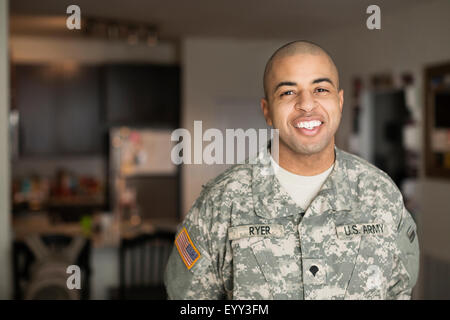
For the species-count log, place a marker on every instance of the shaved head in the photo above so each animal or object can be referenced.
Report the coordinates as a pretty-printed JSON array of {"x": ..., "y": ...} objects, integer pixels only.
[{"x": 298, "y": 47}]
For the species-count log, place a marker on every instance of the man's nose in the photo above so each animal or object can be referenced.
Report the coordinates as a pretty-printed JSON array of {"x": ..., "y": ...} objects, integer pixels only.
[{"x": 305, "y": 101}]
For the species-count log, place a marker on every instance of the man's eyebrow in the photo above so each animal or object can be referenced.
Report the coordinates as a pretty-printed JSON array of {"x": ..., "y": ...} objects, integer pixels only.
[
  {"x": 322, "y": 80},
  {"x": 285, "y": 83}
]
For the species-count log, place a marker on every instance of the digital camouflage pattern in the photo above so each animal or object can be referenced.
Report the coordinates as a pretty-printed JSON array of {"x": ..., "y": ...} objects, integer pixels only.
[{"x": 356, "y": 240}]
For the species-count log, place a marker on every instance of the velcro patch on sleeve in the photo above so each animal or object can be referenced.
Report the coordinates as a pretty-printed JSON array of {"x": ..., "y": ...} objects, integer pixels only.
[
  {"x": 188, "y": 252},
  {"x": 411, "y": 233}
]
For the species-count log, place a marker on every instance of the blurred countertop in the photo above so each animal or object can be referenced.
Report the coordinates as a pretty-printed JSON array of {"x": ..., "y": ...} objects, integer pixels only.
[{"x": 106, "y": 230}]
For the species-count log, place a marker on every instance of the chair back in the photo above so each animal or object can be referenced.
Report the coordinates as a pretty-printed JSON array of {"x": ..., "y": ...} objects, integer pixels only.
[
  {"x": 142, "y": 261},
  {"x": 39, "y": 265}
]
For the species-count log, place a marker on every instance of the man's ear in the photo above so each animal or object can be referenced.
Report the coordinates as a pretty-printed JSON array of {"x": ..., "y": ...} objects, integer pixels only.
[
  {"x": 266, "y": 111},
  {"x": 341, "y": 99}
]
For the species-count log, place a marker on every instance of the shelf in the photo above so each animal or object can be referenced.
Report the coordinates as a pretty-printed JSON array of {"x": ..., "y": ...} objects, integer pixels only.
[{"x": 76, "y": 201}]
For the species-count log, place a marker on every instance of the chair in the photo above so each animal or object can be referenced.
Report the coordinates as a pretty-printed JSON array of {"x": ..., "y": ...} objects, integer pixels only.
[
  {"x": 25, "y": 262},
  {"x": 142, "y": 261}
]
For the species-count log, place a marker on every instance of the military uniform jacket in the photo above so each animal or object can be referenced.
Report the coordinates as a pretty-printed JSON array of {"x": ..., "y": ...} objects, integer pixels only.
[{"x": 246, "y": 238}]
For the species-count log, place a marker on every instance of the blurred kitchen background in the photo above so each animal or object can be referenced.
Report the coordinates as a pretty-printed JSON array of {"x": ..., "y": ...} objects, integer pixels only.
[{"x": 86, "y": 118}]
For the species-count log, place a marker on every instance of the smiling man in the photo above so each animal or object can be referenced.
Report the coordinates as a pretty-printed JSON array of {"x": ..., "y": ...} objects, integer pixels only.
[{"x": 313, "y": 222}]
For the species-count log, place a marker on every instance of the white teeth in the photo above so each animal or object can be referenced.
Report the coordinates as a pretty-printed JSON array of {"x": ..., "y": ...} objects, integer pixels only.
[{"x": 308, "y": 124}]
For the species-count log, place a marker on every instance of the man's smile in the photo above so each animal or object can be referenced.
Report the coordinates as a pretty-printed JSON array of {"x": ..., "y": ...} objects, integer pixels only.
[{"x": 310, "y": 127}]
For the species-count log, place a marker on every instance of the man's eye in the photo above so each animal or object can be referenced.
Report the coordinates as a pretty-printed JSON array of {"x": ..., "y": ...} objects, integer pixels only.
[
  {"x": 287, "y": 93},
  {"x": 322, "y": 90}
]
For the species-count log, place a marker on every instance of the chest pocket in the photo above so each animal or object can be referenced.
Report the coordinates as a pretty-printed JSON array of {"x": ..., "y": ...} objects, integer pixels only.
[
  {"x": 372, "y": 267},
  {"x": 328, "y": 265},
  {"x": 267, "y": 268}
]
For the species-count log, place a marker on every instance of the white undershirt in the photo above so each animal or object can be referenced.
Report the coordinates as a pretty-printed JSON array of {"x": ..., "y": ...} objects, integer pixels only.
[{"x": 302, "y": 189}]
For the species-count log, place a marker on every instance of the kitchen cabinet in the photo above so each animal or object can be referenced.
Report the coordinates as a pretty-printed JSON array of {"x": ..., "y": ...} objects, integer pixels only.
[
  {"x": 67, "y": 109},
  {"x": 142, "y": 95},
  {"x": 59, "y": 110}
]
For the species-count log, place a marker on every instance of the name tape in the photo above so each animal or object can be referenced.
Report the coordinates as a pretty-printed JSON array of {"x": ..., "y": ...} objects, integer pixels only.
[
  {"x": 255, "y": 230},
  {"x": 354, "y": 230}
]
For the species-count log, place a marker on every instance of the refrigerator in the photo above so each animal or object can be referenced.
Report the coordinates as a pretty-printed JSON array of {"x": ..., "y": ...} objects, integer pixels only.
[{"x": 144, "y": 182}]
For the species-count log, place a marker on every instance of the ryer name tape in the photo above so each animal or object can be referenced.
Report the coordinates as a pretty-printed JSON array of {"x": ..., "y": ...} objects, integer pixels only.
[{"x": 255, "y": 230}]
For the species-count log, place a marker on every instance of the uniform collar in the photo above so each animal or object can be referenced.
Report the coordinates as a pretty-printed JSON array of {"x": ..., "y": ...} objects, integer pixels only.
[{"x": 272, "y": 201}]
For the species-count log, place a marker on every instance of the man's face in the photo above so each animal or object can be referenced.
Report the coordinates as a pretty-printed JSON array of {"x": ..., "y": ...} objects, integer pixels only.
[{"x": 303, "y": 102}]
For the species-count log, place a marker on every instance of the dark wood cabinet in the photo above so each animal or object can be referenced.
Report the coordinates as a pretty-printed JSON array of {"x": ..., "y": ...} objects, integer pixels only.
[
  {"x": 69, "y": 109},
  {"x": 142, "y": 95},
  {"x": 59, "y": 110}
]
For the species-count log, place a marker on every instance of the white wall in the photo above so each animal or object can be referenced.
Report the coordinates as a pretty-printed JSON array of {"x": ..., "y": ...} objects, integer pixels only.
[
  {"x": 5, "y": 223},
  {"x": 219, "y": 74}
]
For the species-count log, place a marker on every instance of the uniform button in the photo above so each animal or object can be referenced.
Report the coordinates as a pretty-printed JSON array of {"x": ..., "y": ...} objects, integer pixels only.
[{"x": 314, "y": 270}]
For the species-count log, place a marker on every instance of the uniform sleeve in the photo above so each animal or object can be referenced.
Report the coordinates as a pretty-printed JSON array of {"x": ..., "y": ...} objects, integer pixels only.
[
  {"x": 406, "y": 259},
  {"x": 192, "y": 271}
]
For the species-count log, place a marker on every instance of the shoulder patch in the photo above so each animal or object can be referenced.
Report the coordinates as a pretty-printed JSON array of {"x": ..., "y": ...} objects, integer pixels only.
[
  {"x": 186, "y": 249},
  {"x": 411, "y": 233}
]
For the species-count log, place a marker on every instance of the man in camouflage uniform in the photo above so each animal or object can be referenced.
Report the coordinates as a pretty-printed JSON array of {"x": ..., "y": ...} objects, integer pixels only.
[{"x": 246, "y": 238}]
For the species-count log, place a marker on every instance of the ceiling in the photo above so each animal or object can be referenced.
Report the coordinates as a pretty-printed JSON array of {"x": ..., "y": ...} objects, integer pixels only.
[{"x": 229, "y": 18}]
